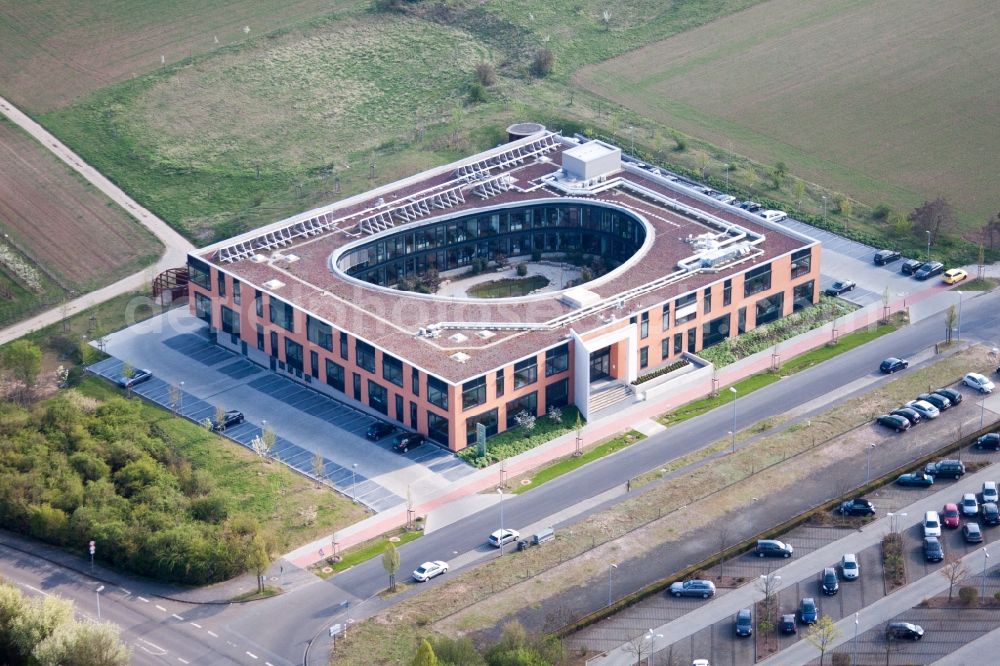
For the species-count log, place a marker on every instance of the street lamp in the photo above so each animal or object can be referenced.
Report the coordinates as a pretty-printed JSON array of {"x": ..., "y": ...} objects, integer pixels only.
[
  {"x": 733, "y": 389},
  {"x": 180, "y": 399},
  {"x": 97, "y": 593},
  {"x": 500, "y": 492},
  {"x": 854, "y": 658},
  {"x": 354, "y": 483},
  {"x": 610, "y": 567},
  {"x": 824, "y": 208},
  {"x": 868, "y": 475},
  {"x": 928, "y": 244},
  {"x": 750, "y": 514},
  {"x": 652, "y": 646},
  {"x": 986, "y": 559}
]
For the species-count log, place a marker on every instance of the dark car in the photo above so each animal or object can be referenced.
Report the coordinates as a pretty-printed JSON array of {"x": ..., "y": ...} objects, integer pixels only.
[
  {"x": 915, "y": 479},
  {"x": 972, "y": 533},
  {"x": 933, "y": 552},
  {"x": 808, "y": 612},
  {"x": 744, "y": 622},
  {"x": 951, "y": 394},
  {"x": 379, "y": 429},
  {"x": 990, "y": 513},
  {"x": 910, "y": 266},
  {"x": 773, "y": 548},
  {"x": 893, "y": 364},
  {"x": 990, "y": 440},
  {"x": 751, "y": 206},
  {"x": 905, "y": 630},
  {"x": 857, "y": 507},
  {"x": 894, "y": 421},
  {"x": 839, "y": 287},
  {"x": 945, "y": 468},
  {"x": 138, "y": 377},
  {"x": 911, "y": 415},
  {"x": 408, "y": 440},
  {"x": 929, "y": 270},
  {"x": 936, "y": 399},
  {"x": 230, "y": 418},
  {"x": 830, "y": 585},
  {"x": 787, "y": 624},
  {"x": 883, "y": 257},
  {"x": 693, "y": 588}
]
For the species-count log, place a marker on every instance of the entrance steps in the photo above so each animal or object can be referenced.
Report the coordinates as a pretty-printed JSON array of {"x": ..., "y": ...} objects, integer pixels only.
[{"x": 608, "y": 395}]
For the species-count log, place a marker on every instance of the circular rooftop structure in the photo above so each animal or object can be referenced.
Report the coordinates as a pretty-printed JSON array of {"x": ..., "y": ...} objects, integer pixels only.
[{"x": 523, "y": 130}]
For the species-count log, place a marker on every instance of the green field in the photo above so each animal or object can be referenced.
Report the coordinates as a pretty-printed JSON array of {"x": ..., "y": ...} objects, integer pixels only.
[{"x": 891, "y": 101}]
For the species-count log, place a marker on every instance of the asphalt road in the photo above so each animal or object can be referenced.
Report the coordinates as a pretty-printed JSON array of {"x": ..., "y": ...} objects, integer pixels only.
[{"x": 293, "y": 620}]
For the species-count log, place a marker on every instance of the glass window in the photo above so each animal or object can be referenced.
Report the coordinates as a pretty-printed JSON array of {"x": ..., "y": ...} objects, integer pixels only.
[
  {"x": 203, "y": 307},
  {"x": 199, "y": 273},
  {"x": 666, "y": 316},
  {"x": 392, "y": 369},
  {"x": 801, "y": 262},
  {"x": 488, "y": 419},
  {"x": 437, "y": 428},
  {"x": 500, "y": 383},
  {"x": 557, "y": 394},
  {"x": 220, "y": 279},
  {"x": 665, "y": 348},
  {"x": 556, "y": 360},
  {"x": 274, "y": 344},
  {"x": 378, "y": 397},
  {"x": 678, "y": 343},
  {"x": 473, "y": 392},
  {"x": 437, "y": 392},
  {"x": 685, "y": 308},
  {"x": 399, "y": 408},
  {"x": 692, "y": 336},
  {"x": 769, "y": 309},
  {"x": 715, "y": 331},
  {"x": 644, "y": 325},
  {"x": 356, "y": 381},
  {"x": 343, "y": 345},
  {"x": 644, "y": 357},
  {"x": 281, "y": 314},
  {"x": 335, "y": 375},
  {"x": 415, "y": 383},
  {"x": 230, "y": 321},
  {"x": 314, "y": 364},
  {"x": 741, "y": 321},
  {"x": 525, "y": 372},
  {"x": 237, "y": 296},
  {"x": 803, "y": 294},
  {"x": 727, "y": 292},
  {"x": 364, "y": 355},
  {"x": 707, "y": 299},
  {"x": 260, "y": 337},
  {"x": 526, "y": 403},
  {"x": 293, "y": 354},
  {"x": 319, "y": 333},
  {"x": 258, "y": 302},
  {"x": 757, "y": 280}
]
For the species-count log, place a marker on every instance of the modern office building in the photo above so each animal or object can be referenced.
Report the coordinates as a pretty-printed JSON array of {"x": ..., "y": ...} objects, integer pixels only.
[{"x": 334, "y": 298}]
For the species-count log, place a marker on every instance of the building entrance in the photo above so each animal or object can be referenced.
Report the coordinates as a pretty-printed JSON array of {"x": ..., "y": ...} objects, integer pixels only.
[{"x": 600, "y": 364}]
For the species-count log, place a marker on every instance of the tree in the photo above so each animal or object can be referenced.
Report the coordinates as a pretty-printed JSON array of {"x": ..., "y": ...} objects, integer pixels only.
[
  {"x": 128, "y": 372},
  {"x": 260, "y": 447},
  {"x": 23, "y": 360},
  {"x": 900, "y": 224},
  {"x": 486, "y": 74},
  {"x": 935, "y": 216},
  {"x": 800, "y": 190},
  {"x": 636, "y": 646},
  {"x": 390, "y": 562},
  {"x": 220, "y": 418},
  {"x": 83, "y": 644},
  {"x": 425, "y": 655},
  {"x": 542, "y": 63},
  {"x": 319, "y": 468},
  {"x": 778, "y": 174},
  {"x": 953, "y": 571},
  {"x": 457, "y": 651},
  {"x": 258, "y": 559},
  {"x": 175, "y": 398},
  {"x": 822, "y": 635},
  {"x": 526, "y": 421},
  {"x": 950, "y": 319},
  {"x": 750, "y": 174}
]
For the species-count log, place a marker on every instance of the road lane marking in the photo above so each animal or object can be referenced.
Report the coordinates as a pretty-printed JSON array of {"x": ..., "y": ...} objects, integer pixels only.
[
  {"x": 153, "y": 645},
  {"x": 35, "y": 589},
  {"x": 195, "y": 624},
  {"x": 212, "y": 634},
  {"x": 176, "y": 617},
  {"x": 183, "y": 661},
  {"x": 143, "y": 599},
  {"x": 267, "y": 663},
  {"x": 159, "y": 607},
  {"x": 252, "y": 654}
]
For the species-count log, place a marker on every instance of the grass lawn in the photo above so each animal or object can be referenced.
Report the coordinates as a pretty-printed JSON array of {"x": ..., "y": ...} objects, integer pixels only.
[
  {"x": 699, "y": 407},
  {"x": 508, "y": 287},
  {"x": 845, "y": 343},
  {"x": 986, "y": 284},
  {"x": 365, "y": 551},
  {"x": 275, "y": 495},
  {"x": 566, "y": 465}
]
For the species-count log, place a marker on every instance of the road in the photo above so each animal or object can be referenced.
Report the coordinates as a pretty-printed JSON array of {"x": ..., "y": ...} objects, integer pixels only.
[{"x": 176, "y": 245}]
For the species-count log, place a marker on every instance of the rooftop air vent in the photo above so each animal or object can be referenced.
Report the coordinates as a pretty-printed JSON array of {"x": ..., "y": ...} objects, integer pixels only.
[
  {"x": 461, "y": 357},
  {"x": 458, "y": 337},
  {"x": 290, "y": 258},
  {"x": 258, "y": 259},
  {"x": 274, "y": 284},
  {"x": 485, "y": 335}
]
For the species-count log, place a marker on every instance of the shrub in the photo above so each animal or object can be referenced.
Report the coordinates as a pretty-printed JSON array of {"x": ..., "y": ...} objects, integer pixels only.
[
  {"x": 522, "y": 270},
  {"x": 680, "y": 143},
  {"x": 841, "y": 659},
  {"x": 676, "y": 365},
  {"x": 477, "y": 92},
  {"x": 513, "y": 441},
  {"x": 541, "y": 64},
  {"x": 968, "y": 595},
  {"x": 880, "y": 213},
  {"x": 486, "y": 75}
]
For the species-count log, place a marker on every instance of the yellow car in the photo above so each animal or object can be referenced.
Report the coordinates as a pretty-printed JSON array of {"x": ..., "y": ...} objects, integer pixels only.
[{"x": 954, "y": 276}]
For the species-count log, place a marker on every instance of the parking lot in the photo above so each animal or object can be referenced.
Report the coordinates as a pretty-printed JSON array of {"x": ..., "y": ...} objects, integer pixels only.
[{"x": 305, "y": 421}]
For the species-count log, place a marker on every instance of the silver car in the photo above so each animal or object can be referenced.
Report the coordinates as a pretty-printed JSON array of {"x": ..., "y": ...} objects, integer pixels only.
[
  {"x": 849, "y": 566},
  {"x": 924, "y": 408},
  {"x": 693, "y": 588}
]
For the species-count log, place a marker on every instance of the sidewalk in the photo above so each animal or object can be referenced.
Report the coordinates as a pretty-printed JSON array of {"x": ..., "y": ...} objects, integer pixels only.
[{"x": 726, "y": 606}]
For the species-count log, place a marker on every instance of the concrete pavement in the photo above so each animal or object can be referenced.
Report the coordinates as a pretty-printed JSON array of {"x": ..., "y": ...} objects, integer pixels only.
[
  {"x": 176, "y": 245},
  {"x": 725, "y": 606},
  {"x": 971, "y": 654}
]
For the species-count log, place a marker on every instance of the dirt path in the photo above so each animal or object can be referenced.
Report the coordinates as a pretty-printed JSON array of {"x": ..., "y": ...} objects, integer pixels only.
[{"x": 176, "y": 245}]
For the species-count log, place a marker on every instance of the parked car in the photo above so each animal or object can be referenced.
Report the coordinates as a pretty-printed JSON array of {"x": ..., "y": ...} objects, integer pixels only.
[
  {"x": 857, "y": 507},
  {"x": 744, "y": 622},
  {"x": 429, "y": 570},
  {"x": 932, "y": 524},
  {"x": 924, "y": 408},
  {"x": 379, "y": 429},
  {"x": 501, "y": 537},
  {"x": 787, "y": 624},
  {"x": 908, "y": 413},
  {"x": 990, "y": 493},
  {"x": 972, "y": 533},
  {"x": 849, "y": 567},
  {"x": 904, "y": 630},
  {"x": 138, "y": 376},
  {"x": 910, "y": 266},
  {"x": 773, "y": 215},
  {"x": 954, "y": 396},
  {"x": 991, "y": 513},
  {"x": 693, "y": 588},
  {"x": 954, "y": 276},
  {"x": 830, "y": 584},
  {"x": 893, "y": 364},
  {"x": 408, "y": 440},
  {"x": 894, "y": 421},
  {"x": 950, "y": 516},
  {"x": 750, "y": 206},
  {"x": 933, "y": 552},
  {"x": 230, "y": 418},
  {"x": 839, "y": 287},
  {"x": 945, "y": 468},
  {"x": 773, "y": 548},
  {"x": 883, "y": 257},
  {"x": 990, "y": 440},
  {"x": 915, "y": 479},
  {"x": 808, "y": 612},
  {"x": 969, "y": 505},
  {"x": 929, "y": 270},
  {"x": 979, "y": 382},
  {"x": 942, "y": 403}
]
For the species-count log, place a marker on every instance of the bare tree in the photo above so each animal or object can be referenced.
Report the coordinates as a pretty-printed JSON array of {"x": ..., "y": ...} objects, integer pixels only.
[
  {"x": 935, "y": 216},
  {"x": 950, "y": 319},
  {"x": 390, "y": 562},
  {"x": 822, "y": 635},
  {"x": 953, "y": 571},
  {"x": 220, "y": 418},
  {"x": 636, "y": 646},
  {"x": 319, "y": 468},
  {"x": 768, "y": 584},
  {"x": 722, "y": 533},
  {"x": 175, "y": 398},
  {"x": 260, "y": 446}
]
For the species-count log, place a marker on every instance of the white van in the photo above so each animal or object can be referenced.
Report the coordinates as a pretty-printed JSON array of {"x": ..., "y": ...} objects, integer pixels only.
[
  {"x": 932, "y": 524},
  {"x": 773, "y": 215}
]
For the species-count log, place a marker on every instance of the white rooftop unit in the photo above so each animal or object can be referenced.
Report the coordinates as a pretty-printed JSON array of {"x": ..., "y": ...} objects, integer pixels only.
[
  {"x": 579, "y": 298},
  {"x": 591, "y": 160}
]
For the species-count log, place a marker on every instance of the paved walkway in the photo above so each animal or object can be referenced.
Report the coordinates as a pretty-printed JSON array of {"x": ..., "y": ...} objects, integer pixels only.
[
  {"x": 726, "y": 606},
  {"x": 176, "y": 245},
  {"x": 972, "y": 653}
]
